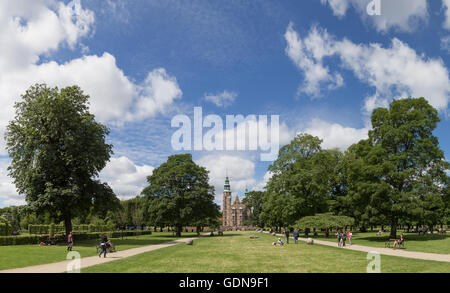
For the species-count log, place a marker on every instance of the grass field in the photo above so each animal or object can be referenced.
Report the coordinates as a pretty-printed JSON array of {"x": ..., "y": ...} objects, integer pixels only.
[
  {"x": 237, "y": 253},
  {"x": 17, "y": 256},
  {"x": 434, "y": 243}
]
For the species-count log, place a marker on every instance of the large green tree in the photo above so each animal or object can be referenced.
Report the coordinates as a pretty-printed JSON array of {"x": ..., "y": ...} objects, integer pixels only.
[
  {"x": 399, "y": 171},
  {"x": 305, "y": 181},
  {"x": 253, "y": 201},
  {"x": 179, "y": 193},
  {"x": 57, "y": 150}
]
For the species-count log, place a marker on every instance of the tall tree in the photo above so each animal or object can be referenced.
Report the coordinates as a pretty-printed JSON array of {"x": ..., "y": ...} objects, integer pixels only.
[
  {"x": 57, "y": 150},
  {"x": 253, "y": 201},
  {"x": 399, "y": 171},
  {"x": 179, "y": 193},
  {"x": 304, "y": 180}
]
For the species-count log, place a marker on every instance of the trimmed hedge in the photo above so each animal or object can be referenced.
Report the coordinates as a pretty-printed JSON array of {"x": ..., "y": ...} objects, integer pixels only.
[
  {"x": 61, "y": 238},
  {"x": 57, "y": 229},
  {"x": 5, "y": 229}
]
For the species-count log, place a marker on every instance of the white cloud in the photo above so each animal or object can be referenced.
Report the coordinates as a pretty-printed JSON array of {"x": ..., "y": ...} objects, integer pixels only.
[
  {"x": 126, "y": 178},
  {"x": 335, "y": 135},
  {"x": 307, "y": 55},
  {"x": 8, "y": 192},
  {"x": 240, "y": 171},
  {"x": 446, "y": 8},
  {"x": 339, "y": 7},
  {"x": 445, "y": 44},
  {"x": 262, "y": 184},
  {"x": 399, "y": 15},
  {"x": 394, "y": 72},
  {"x": 223, "y": 99},
  {"x": 30, "y": 29}
]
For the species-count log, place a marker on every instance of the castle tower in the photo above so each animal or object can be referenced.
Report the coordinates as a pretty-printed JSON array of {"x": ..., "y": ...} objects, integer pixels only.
[{"x": 226, "y": 204}]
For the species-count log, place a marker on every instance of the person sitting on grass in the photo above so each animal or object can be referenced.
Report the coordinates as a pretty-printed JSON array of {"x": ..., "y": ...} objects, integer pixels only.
[
  {"x": 380, "y": 233},
  {"x": 399, "y": 241},
  {"x": 279, "y": 242}
]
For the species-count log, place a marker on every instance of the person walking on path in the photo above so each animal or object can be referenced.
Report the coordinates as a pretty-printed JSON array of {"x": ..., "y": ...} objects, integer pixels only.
[
  {"x": 296, "y": 234},
  {"x": 69, "y": 241},
  {"x": 344, "y": 236},
  {"x": 339, "y": 238},
  {"x": 286, "y": 233},
  {"x": 349, "y": 237},
  {"x": 103, "y": 244}
]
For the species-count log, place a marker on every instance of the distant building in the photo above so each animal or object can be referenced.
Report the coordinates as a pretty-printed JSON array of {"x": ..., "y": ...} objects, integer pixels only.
[{"x": 234, "y": 214}]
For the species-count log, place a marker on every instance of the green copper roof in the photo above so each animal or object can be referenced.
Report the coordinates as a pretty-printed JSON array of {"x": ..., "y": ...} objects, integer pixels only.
[{"x": 226, "y": 187}]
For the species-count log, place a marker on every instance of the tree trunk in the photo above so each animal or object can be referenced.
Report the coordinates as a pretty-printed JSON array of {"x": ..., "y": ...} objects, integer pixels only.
[
  {"x": 68, "y": 225},
  {"x": 394, "y": 224},
  {"x": 179, "y": 228}
]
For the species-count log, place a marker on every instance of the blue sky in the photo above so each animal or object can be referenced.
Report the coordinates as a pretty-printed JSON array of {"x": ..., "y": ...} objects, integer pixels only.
[{"x": 321, "y": 65}]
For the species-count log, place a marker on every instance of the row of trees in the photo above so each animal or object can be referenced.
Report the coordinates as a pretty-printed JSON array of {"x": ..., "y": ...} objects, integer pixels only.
[{"x": 396, "y": 176}]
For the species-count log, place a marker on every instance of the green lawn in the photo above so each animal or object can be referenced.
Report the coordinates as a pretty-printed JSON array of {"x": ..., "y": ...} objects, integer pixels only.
[
  {"x": 434, "y": 243},
  {"x": 237, "y": 253},
  {"x": 17, "y": 256}
]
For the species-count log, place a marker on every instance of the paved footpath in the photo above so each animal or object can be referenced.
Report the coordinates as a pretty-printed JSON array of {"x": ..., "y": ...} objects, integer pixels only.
[
  {"x": 61, "y": 267},
  {"x": 385, "y": 251}
]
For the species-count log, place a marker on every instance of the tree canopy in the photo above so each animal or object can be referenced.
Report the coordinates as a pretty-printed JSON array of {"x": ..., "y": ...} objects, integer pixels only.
[
  {"x": 179, "y": 194},
  {"x": 57, "y": 150},
  {"x": 399, "y": 171}
]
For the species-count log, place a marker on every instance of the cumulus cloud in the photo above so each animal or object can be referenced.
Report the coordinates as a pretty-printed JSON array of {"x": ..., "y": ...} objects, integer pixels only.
[
  {"x": 223, "y": 99},
  {"x": 8, "y": 192},
  {"x": 307, "y": 54},
  {"x": 335, "y": 135},
  {"x": 29, "y": 30},
  {"x": 446, "y": 7},
  {"x": 445, "y": 44},
  {"x": 125, "y": 177},
  {"x": 398, "y": 15},
  {"x": 240, "y": 171},
  {"x": 396, "y": 71}
]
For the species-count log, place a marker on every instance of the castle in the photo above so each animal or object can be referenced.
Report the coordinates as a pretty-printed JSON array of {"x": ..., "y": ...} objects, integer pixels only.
[{"x": 233, "y": 215}]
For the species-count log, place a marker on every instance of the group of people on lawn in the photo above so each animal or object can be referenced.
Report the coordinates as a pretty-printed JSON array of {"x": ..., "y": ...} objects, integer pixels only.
[{"x": 343, "y": 236}]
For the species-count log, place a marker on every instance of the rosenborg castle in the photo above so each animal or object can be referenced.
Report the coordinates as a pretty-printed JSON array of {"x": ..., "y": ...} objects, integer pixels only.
[{"x": 234, "y": 214}]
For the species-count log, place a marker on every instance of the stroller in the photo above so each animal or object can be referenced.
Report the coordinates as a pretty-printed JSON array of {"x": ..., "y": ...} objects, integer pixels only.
[{"x": 109, "y": 247}]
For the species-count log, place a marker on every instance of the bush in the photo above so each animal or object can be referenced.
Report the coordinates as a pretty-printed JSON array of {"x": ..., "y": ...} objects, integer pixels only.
[
  {"x": 46, "y": 229},
  {"x": 5, "y": 229}
]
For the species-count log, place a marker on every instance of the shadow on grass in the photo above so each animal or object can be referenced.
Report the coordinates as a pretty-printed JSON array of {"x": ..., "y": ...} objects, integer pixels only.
[{"x": 408, "y": 237}]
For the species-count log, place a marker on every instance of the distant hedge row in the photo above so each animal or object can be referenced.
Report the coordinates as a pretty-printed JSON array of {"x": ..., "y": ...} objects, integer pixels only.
[
  {"x": 61, "y": 238},
  {"x": 57, "y": 229},
  {"x": 5, "y": 229}
]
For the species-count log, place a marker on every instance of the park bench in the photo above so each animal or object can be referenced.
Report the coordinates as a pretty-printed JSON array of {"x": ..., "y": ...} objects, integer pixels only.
[{"x": 390, "y": 243}]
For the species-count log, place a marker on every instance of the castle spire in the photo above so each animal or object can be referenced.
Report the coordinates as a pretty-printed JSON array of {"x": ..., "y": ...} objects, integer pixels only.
[{"x": 226, "y": 187}]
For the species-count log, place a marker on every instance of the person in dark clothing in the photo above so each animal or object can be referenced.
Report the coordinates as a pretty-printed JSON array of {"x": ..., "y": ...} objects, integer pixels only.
[
  {"x": 296, "y": 234},
  {"x": 103, "y": 245},
  {"x": 286, "y": 233}
]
